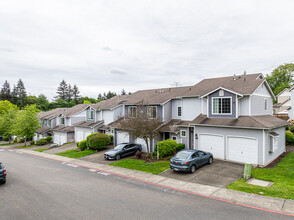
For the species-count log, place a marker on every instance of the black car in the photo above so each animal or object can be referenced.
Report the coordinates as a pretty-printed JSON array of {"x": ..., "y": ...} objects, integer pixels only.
[
  {"x": 2, "y": 174},
  {"x": 189, "y": 160},
  {"x": 122, "y": 150}
]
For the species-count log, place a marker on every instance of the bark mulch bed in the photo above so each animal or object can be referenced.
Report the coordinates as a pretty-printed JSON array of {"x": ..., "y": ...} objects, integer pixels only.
[{"x": 289, "y": 149}]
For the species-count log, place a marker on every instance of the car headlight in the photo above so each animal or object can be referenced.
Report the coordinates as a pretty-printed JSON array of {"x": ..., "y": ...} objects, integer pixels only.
[{"x": 185, "y": 163}]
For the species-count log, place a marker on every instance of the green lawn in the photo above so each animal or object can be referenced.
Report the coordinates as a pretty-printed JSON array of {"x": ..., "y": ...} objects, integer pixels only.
[
  {"x": 68, "y": 143},
  {"x": 8, "y": 144},
  {"x": 41, "y": 150},
  {"x": 133, "y": 164},
  {"x": 282, "y": 175},
  {"x": 76, "y": 153}
]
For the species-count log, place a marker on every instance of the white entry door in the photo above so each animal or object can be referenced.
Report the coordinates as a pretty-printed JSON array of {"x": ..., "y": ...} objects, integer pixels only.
[
  {"x": 243, "y": 149},
  {"x": 212, "y": 143}
]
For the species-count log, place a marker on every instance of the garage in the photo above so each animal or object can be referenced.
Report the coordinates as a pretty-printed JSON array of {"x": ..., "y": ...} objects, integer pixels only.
[
  {"x": 143, "y": 143},
  {"x": 242, "y": 149},
  {"x": 60, "y": 138},
  {"x": 212, "y": 143},
  {"x": 122, "y": 137},
  {"x": 82, "y": 135}
]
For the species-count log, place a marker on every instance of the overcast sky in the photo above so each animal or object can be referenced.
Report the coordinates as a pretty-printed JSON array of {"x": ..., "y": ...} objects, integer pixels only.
[{"x": 114, "y": 45}]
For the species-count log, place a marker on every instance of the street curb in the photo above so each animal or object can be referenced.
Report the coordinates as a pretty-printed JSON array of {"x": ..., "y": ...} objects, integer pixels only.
[{"x": 264, "y": 203}]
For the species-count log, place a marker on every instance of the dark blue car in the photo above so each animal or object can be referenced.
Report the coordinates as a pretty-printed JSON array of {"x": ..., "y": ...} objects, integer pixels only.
[
  {"x": 188, "y": 160},
  {"x": 2, "y": 174},
  {"x": 122, "y": 150}
]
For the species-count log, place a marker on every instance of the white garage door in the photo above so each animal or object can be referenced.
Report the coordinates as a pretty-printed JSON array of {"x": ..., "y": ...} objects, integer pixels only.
[
  {"x": 60, "y": 138},
  {"x": 212, "y": 143},
  {"x": 80, "y": 136},
  {"x": 143, "y": 143},
  {"x": 87, "y": 134},
  {"x": 122, "y": 137},
  {"x": 243, "y": 149}
]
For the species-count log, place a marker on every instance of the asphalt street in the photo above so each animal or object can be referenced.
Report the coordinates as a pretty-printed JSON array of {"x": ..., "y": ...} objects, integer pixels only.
[{"x": 40, "y": 188}]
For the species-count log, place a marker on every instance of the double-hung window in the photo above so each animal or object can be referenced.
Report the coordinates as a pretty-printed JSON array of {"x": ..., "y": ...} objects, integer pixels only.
[
  {"x": 179, "y": 111},
  {"x": 151, "y": 112},
  {"x": 133, "y": 111},
  {"x": 90, "y": 115},
  {"x": 61, "y": 121},
  {"x": 221, "y": 105}
]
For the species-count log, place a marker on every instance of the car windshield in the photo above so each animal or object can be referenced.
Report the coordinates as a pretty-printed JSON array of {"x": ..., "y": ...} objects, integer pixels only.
[
  {"x": 182, "y": 155},
  {"x": 119, "y": 147}
]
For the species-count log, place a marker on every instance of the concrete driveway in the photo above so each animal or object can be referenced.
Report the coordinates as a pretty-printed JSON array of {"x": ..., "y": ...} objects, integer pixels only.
[
  {"x": 220, "y": 174},
  {"x": 62, "y": 148},
  {"x": 98, "y": 157}
]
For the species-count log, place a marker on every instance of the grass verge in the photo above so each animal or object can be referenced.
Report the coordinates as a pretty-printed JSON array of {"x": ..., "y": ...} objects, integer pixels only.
[
  {"x": 28, "y": 146},
  {"x": 41, "y": 150},
  {"x": 133, "y": 164},
  {"x": 76, "y": 153},
  {"x": 282, "y": 175}
]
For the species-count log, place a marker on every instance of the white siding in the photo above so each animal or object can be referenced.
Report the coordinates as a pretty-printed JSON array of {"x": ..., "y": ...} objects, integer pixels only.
[
  {"x": 191, "y": 108},
  {"x": 99, "y": 115},
  {"x": 118, "y": 112},
  {"x": 243, "y": 106},
  {"x": 291, "y": 111},
  {"x": 258, "y": 105},
  {"x": 107, "y": 116},
  {"x": 204, "y": 106}
]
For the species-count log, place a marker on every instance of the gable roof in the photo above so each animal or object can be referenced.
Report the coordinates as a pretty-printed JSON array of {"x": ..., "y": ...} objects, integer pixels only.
[
  {"x": 110, "y": 103},
  {"x": 51, "y": 114},
  {"x": 74, "y": 110},
  {"x": 87, "y": 124}
]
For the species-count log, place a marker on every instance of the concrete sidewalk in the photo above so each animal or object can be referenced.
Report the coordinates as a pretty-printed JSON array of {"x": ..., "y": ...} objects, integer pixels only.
[{"x": 263, "y": 202}]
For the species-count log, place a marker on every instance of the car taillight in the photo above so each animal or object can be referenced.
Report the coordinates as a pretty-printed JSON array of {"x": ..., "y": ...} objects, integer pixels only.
[{"x": 4, "y": 172}]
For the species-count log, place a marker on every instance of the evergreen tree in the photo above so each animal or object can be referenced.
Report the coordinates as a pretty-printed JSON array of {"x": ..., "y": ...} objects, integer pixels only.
[
  {"x": 14, "y": 96},
  {"x": 76, "y": 93},
  {"x": 123, "y": 92},
  {"x": 69, "y": 93},
  {"x": 5, "y": 93},
  {"x": 110, "y": 94},
  {"x": 62, "y": 91},
  {"x": 99, "y": 97},
  {"x": 20, "y": 93},
  {"x": 42, "y": 103}
]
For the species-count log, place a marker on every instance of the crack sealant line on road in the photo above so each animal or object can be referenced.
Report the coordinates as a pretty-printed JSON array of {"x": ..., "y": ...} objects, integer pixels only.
[{"x": 151, "y": 183}]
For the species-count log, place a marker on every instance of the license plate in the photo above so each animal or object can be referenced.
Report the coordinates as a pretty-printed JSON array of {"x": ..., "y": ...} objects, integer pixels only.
[{"x": 176, "y": 169}]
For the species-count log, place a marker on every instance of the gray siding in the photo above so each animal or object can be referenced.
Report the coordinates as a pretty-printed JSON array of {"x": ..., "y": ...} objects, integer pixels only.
[
  {"x": 167, "y": 111},
  {"x": 74, "y": 120},
  {"x": 258, "y": 105},
  {"x": 118, "y": 112},
  {"x": 291, "y": 111},
  {"x": 191, "y": 108},
  {"x": 258, "y": 134},
  {"x": 281, "y": 145},
  {"x": 243, "y": 106},
  {"x": 107, "y": 116},
  {"x": 204, "y": 106},
  {"x": 175, "y": 104},
  {"x": 53, "y": 123},
  {"x": 216, "y": 95}
]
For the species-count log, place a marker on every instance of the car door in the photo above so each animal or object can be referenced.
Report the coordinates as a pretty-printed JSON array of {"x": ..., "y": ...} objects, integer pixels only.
[
  {"x": 202, "y": 157},
  {"x": 127, "y": 150},
  {"x": 196, "y": 159}
]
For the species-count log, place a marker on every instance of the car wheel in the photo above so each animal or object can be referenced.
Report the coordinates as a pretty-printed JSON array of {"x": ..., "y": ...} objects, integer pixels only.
[
  {"x": 210, "y": 160},
  {"x": 193, "y": 169},
  {"x": 117, "y": 157},
  {"x": 3, "y": 181}
]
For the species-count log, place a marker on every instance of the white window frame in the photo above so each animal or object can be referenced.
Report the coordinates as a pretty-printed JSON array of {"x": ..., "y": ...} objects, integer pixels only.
[
  {"x": 149, "y": 113},
  {"x": 91, "y": 112},
  {"x": 179, "y": 108},
  {"x": 129, "y": 110},
  {"x": 181, "y": 133},
  {"x": 225, "y": 97},
  {"x": 63, "y": 121},
  {"x": 174, "y": 138},
  {"x": 274, "y": 144}
]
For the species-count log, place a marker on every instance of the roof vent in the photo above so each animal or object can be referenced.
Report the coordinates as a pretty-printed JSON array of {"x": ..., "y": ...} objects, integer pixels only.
[
  {"x": 234, "y": 76},
  {"x": 245, "y": 75}
]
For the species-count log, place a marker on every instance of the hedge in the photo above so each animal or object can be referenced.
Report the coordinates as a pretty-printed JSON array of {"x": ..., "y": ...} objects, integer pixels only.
[
  {"x": 167, "y": 147},
  {"x": 82, "y": 145},
  {"x": 48, "y": 139},
  {"x": 97, "y": 141},
  {"x": 289, "y": 138},
  {"x": 41, "y": 142}
]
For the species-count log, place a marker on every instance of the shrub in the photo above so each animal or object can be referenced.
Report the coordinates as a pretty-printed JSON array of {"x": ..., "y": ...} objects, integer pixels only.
[
  {"x": 15, "y": 140},
  {"x": 165, "y": 148},
  {"x": 291, "y": 129},
  {"x": 289, "y": 138},
  {"x": 5, "y": 138},
  {"x": 138, "y": 155},
  {"x": 111, "y": 138},
  {"x": 32, "y": 142},
  {"x": 180, "y": 147},
  {"x": 22, "y": 140},
  {"x": 48, "y": 139},
  {"x": 97, "y": 141},
  {"x": 82, "y": 145},
  {"x": 41, "y": 142}
]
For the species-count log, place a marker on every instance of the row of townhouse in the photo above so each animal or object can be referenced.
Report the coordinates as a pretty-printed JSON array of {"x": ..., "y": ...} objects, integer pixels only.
[{"x": 232, "y": 117}]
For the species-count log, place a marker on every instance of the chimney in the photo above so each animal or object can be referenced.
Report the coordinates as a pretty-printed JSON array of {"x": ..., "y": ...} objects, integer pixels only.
[{"x": 234, "y": 76}]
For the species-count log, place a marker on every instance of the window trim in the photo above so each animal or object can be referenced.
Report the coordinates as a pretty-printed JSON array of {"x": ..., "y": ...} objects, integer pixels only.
[
  {"x": 224, "y": 97},
  {"x": 174, "y": 137},
  {"x": 179, "y": 107},
  {"x": 63, "y": 121},
  {"x": 155, "y": 112},
  {"x": 182, "y": 134},
  {"x": 90, "y": 112},
  {"x": 129, "y": 111}
]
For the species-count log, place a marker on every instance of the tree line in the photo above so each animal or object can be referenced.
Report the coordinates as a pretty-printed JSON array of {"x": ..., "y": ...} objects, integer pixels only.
[{"x": 66, "y": 96}]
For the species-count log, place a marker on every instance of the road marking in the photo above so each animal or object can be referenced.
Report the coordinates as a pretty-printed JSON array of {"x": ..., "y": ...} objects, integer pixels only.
[
  {"x": 92, "y": 170},
  {"x": 18, "y": 152},
  {"x": 102, "y": 173},
  {"x": 2, "y": 149},
  {"x": 69, "y": 164},
  {"x": 11, "y": 150}
]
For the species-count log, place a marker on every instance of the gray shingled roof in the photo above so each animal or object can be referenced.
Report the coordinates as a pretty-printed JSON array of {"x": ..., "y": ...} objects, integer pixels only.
[
  {"x": 87, "y": 124},
  {"x": 43, "y": 130},
  {"x": 264, "y": 121},
  {"x": 73, "y": 110},
  {"x": 110, "y": 103},
  {"x": 51, "y": 114},
  {"x": 64, "y": 129},
  {"x": 173, "y": 125}
]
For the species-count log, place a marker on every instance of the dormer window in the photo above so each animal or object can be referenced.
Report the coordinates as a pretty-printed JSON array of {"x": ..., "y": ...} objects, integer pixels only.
[
  {"x": 221, "y": 105},
  {"x": 61, "y": 121},
  {"x": 90, "y": 115},
  {"x": 133, "y": 111},
  {"x": 179, "y": 111}
]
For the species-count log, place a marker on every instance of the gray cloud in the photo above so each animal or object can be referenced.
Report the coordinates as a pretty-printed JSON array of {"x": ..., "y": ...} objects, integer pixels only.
[{"x": 118, "y": 72}]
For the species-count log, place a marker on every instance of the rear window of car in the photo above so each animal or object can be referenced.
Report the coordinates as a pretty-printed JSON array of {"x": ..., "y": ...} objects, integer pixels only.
[{"x": 182, "y": 155}]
